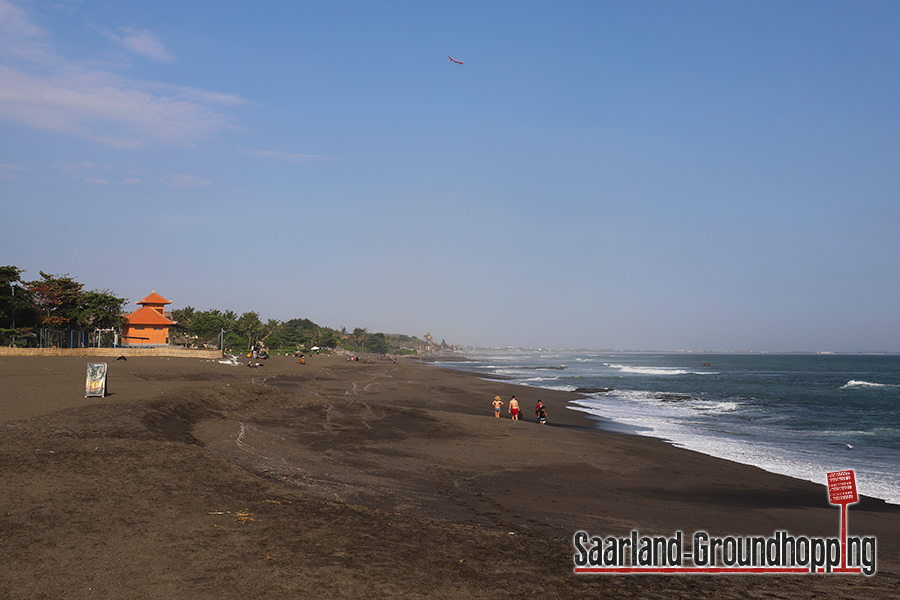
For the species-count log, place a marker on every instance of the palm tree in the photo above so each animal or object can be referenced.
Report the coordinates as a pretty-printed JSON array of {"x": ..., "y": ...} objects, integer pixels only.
[
  {"x": 248, "y": 325},
  {"x": 360, "y": 337},
  {"x": 272, "y": 326},
  {"x": 184, "y": 316}
]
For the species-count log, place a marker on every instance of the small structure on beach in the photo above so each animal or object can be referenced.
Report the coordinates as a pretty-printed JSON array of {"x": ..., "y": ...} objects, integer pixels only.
[{"x": 148, "y": 325}]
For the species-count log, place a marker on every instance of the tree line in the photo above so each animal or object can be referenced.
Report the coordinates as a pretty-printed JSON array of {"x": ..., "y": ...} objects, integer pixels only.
[
  {"x": 203, "y": 328},
  {"x": 54, "y": 302},
  {"x": 60, "y": 302}
]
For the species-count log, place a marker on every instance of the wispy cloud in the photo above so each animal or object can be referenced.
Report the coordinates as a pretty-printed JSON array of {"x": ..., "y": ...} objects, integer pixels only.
[
  {"x": 142, "y": 43},
  {"x": 95, "y": 181},
  {"x": 182, "y": 180},
  {"x": 79, "y": 170},
  {"x": 284, "y": 156},
  {"x": 89, "y": 166},
  {"x": 47, "y": 91},
  {"x": 19, "y": 37},
  {"x": 131, "y": 180},
  {"x": 11, "y": 171}
]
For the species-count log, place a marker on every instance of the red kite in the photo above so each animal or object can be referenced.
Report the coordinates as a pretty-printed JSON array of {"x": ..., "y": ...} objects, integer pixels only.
[{"x": 456, "y": 61}]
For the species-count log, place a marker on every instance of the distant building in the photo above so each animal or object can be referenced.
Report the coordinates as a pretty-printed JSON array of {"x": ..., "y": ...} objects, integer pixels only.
[{"x": 148, "y": 325}]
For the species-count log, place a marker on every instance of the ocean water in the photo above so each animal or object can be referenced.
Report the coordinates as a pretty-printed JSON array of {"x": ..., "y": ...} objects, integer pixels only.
[{"x": 798, "y": 415}]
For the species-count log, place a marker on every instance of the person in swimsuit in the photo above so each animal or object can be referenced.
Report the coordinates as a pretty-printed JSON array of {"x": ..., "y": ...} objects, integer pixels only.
[
  {"x": 514, "y": 408},
  {"x": 498, "y": 403}
]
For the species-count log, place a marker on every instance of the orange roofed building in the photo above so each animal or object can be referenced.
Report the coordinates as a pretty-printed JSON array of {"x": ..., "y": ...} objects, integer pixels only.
[{"x": 148, "y": 325}]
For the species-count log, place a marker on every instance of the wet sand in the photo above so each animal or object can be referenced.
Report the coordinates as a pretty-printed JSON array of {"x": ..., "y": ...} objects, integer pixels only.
[{"x": 195, "y": 479}]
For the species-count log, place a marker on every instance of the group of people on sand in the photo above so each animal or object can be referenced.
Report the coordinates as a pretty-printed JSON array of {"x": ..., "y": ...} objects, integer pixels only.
[
  {"x": 539, "y": 410},
  {"x": 257, "y": 350}
]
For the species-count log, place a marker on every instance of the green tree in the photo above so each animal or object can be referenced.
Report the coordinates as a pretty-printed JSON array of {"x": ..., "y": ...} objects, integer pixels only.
[
  {"x": 329, "y": 338},
  {"x": 299, "y": 332},
  {"x": 359, "y": 337},
  {"x": 56, "y": 297},
  {"x": 301, "y": 324},
  {"x": 230, "y": 318},
  {"x": 207, "y": 325},
  {"x": 17, "y": 310},
  {"x": 378, "y": 344},
  {"x": 184, "y": 316},
  {"x": 272, "y": 327},
  {"x": 249, "y": 326},
  {"x": 100, "y": 310},
  {"x": 234, "y": 341}
]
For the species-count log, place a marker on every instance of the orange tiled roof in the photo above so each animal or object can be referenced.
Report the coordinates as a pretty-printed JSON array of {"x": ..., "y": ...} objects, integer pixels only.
[
  {"x": 154, "y": 298},
  {"x": 147, "y": 316}
]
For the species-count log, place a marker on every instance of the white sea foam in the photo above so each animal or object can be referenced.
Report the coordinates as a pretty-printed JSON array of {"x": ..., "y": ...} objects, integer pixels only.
[
  {"x": 865, "y": 384},
  {"x": 742, "y": 414},
  {"x": 630, "y": 404},
  {"x": 669, "y": 424},
  {"x": 507, "y": 372},
  {"x": 654, "y": 370},
  {"x": 561, "y": 388},
  {"x": 882, "y": 431}
]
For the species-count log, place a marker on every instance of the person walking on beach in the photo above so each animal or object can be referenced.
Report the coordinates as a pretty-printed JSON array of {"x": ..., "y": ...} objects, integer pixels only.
[
  {"x": 541, "y": 413},
  {"x": 498, "y": 403},
  {"x": 514, "y": 408}
]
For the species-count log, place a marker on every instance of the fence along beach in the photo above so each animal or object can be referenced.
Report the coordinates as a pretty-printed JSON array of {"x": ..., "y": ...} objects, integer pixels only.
[{"x": 198, "y": 479}]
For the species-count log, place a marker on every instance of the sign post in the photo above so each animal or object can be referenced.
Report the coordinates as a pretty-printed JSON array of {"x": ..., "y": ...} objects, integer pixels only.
[
  {"x": 842, "y": 490},
  {"x": 96, "y": 380}
]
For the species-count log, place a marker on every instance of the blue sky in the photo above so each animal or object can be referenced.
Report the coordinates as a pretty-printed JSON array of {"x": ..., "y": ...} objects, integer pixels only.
[{"x": 632, "y": 175}]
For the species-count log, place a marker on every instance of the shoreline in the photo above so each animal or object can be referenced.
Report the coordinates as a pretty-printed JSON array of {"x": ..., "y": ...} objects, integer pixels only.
[
  {"x": 723, "y": 450},
  {"x": 361, "y": 479}
]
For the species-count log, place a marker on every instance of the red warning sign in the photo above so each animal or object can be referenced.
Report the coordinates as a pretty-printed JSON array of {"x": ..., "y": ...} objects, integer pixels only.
[{"x": 842, "y": 488}]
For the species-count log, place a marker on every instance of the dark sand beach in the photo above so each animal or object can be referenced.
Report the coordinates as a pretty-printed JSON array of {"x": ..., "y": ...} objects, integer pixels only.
[{"x": 336, "y": 479}]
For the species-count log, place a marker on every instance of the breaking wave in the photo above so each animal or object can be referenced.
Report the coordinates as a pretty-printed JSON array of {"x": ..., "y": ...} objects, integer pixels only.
[
  {"x": 865, "y": 384},
  {"x": 654, "y": 370}
]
